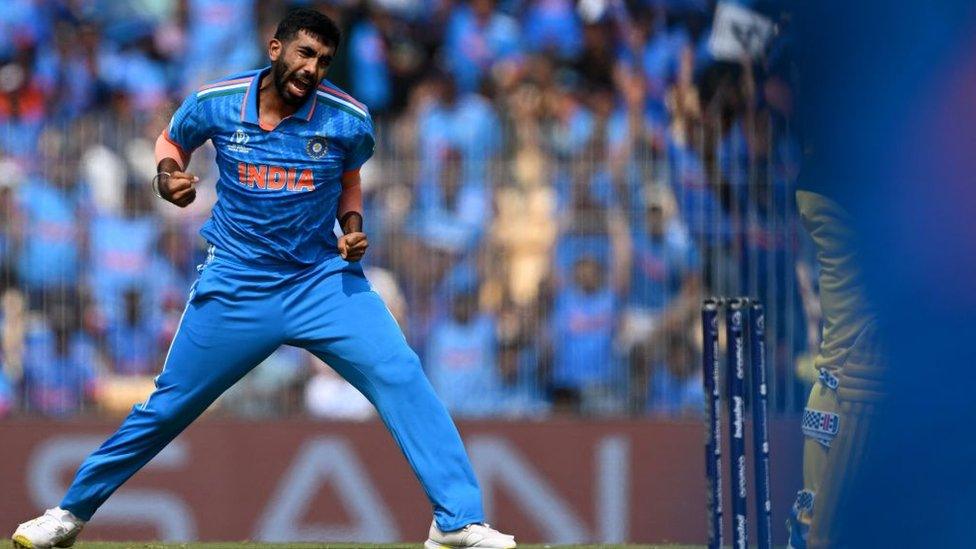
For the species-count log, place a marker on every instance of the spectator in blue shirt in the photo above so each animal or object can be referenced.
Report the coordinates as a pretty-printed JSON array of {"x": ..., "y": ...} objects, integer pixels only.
[
  {"x": 478, "y": 39},
  {"x": 587, "y": 233},
  {"x": 453, "y": 213},
  {"x": 464, "y": 121},
  {"x": 703, "y": 212},
  {"x": 572, "y": 125},
  {"x": 130, "y": 342},
  {"x": 368, "y": 53},
  {"x": 22, "y": 22},
  {"x": 664, "y": 260},
  {"x": 221, "y": 39},
  {"x": 67, "y": 71},
  {"x": 675, "y": 387},
  {"x": 520, "y": 355},
  {"x": 121, "y": 251},
  {"x": 139, "y": 73},
  {"x": 50, "y": 255},
  {"x": 583, "y": 178},
  {"x": 664, "y": 288},
  {"x": 59, "y": 367},
  {"x": 551, "y": 26},
  {"x": 461, "y": 360},
  {"x": 635, "y": 139},
  {"x": 583, "y": 324},
  {"x": 654, "y": 54},
  {"x": 165, "y": 292}
]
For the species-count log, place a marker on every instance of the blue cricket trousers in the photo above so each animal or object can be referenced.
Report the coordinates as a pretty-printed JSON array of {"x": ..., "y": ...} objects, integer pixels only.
[{"x": 235, "y": 317}]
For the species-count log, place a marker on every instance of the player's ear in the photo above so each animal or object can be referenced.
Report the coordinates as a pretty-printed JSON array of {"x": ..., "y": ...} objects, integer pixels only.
[{"x": 274, "y": 49}]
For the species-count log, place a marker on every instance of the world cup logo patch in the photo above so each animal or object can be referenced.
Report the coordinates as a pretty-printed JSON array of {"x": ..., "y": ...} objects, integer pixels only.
[
  {"x": 317, "y": 147},
  {"x": 238, "y": 142}
]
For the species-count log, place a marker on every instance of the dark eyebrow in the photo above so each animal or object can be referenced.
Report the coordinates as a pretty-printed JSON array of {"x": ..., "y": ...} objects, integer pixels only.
[{"x": 311, "y": 52}]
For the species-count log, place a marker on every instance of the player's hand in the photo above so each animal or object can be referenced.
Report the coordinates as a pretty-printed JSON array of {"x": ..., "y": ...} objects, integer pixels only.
[
  {"x": 352, "y": 246},
  {"x": 178, "y": 188}
]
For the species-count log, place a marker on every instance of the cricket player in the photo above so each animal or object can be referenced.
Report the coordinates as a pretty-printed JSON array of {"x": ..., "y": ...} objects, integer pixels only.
[
  {"x": 850, "y": 382},
  {"x": 289, "y": 148}
]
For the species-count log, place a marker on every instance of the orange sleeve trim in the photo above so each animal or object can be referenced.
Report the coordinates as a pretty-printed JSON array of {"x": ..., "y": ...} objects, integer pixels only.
[{"x": 167, "y": 148}]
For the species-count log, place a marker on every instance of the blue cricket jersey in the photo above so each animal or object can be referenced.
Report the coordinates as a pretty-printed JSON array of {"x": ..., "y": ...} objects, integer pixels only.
[{"x": 278, "y": 189}]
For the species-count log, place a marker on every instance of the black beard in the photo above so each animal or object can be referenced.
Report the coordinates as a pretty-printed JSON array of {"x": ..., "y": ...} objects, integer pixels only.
[{"x": 278, "y": 75}]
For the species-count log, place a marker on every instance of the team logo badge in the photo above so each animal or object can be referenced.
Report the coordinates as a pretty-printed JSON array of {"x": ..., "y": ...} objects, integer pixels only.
[{"x": 316, "y": 147}]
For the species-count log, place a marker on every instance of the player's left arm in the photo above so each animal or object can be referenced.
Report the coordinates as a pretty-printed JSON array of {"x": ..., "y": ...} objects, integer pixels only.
[{"x": 353, "y": 243}]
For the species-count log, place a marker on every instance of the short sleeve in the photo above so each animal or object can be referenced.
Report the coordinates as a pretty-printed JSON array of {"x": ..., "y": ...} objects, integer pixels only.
[
  {"x": 361, "y": 150},
  {"x": 188, "y": 129}
]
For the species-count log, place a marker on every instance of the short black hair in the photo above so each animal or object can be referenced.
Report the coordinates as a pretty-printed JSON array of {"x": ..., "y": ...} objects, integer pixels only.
[{"x": 313, "y": 22}]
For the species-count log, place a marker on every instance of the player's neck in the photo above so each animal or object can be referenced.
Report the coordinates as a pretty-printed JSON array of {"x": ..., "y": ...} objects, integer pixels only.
[{"x": 272, "y": 108}]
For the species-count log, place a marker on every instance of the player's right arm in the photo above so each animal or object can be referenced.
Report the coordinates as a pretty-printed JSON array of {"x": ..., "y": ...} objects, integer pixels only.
[
  {"x": 187, "y": 130},
  {"x": 173, "y": 184}
]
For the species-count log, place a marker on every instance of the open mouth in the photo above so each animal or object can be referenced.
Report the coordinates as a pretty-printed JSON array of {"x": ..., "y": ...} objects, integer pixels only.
[{"x": 300, "y": 86}]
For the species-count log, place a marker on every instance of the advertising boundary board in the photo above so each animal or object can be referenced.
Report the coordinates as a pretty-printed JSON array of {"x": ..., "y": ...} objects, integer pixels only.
[{"x": 555, "y": 481}]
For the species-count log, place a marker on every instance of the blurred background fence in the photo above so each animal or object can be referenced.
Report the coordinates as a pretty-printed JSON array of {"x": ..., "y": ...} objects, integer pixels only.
[{"x": 554, "y": 190}]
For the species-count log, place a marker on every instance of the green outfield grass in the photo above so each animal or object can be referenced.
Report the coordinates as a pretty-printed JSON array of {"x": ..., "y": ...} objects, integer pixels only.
[{"x": 247, "y": 545}]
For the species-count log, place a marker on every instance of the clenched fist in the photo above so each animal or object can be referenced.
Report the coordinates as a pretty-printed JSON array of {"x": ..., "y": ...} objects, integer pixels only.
[
  {"x": 352, "y": 246},
  {"x": 178, "y": 188}
]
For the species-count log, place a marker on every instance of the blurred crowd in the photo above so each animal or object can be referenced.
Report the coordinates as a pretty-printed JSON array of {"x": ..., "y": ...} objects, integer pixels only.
[{"x": 556, "y": 186}]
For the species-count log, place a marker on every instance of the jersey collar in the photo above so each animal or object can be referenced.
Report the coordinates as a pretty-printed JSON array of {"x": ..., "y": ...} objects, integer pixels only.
[{"x": 249, "y": 105}]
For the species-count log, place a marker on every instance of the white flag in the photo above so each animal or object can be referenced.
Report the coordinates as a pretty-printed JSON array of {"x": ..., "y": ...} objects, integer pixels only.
[{"x": 738, "y": 32}]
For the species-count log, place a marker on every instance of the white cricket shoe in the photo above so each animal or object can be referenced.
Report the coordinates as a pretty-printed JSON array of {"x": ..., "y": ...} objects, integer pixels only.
[
  {"x": 55, "y": 528},
  {"x": 472, "y": 535}
]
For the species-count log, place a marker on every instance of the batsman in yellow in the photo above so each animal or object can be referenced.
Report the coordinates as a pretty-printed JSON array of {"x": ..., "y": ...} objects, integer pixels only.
[{"x": 849, "y": 369}]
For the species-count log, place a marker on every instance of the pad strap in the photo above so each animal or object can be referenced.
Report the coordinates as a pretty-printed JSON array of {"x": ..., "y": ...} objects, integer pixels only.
[
  {"x": 820, "y": 426},
  {"x": 803, "y": 502},
  {"x": 828, "y": 379}
]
